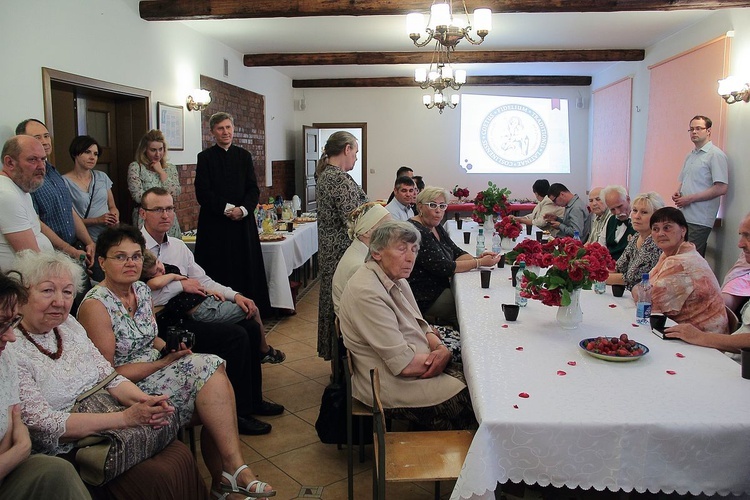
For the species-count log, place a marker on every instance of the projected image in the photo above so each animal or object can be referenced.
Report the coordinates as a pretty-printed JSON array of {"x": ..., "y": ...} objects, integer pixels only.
[{"x": 514, "y": 135}]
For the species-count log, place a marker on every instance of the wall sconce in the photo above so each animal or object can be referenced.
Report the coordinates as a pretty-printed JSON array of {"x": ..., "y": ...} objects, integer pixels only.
[
  {"x": 198, "y": 100},
  {"x": 733, "y": 89}
]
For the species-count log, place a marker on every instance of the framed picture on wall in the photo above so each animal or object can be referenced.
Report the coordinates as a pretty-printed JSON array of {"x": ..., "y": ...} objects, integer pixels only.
[{"x": 169, "y": 119}]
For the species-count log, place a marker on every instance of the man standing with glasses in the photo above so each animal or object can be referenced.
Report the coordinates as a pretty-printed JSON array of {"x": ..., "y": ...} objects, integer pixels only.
[{"x": 703, "y": 179}]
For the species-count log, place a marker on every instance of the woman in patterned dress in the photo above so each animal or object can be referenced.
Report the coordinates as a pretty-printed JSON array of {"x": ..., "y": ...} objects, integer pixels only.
[
  {"x": 119, "y": 319},
  {"x": 151, "y": 169},
  {"x": 641, "y": 254},
  {"x": 337, "y": 194}
]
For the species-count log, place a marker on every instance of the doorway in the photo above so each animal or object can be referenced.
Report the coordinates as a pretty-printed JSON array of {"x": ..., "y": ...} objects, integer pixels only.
[
  {"x": 115, "y": 115},
  {"x": 313, "y": 139}
]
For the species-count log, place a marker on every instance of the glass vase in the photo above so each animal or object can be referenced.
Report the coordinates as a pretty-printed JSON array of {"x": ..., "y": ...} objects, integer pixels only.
[
  {"x": 569, "y": 317},
  {"x": 489, "y": 226}
]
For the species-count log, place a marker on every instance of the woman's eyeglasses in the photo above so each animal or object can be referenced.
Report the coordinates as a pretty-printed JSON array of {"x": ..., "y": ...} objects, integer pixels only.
[
  {"x": 433, "y": 205},
  {"x": 121, "y": 258},
  {"x": 6, "y": 325}
]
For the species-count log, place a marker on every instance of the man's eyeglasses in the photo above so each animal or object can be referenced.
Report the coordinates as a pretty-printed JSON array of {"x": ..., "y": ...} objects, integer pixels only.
[
  {"x": 121, "y": 258},
  {"x": 696, "y": 129},
  {"x": 5, "y": 325},
  {"x": 433, "y": 205},
  {"x": 160, "y": 210}
]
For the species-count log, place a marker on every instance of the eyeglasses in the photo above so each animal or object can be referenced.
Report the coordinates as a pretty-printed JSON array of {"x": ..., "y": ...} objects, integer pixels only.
[
  {"x": 433, "y": 205},
  {"x": 4, "y": 326},
  {"x": 696, "y": 129},
  {"x": 121, "y": 258},
  {"x": 160, "y": 210}
]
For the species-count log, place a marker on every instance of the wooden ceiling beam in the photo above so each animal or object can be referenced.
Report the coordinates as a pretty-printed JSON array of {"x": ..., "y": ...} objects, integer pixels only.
[
  {"x": 424, "y": 57},
  {"x": 182, "y": 10},
  {"x": 500, "y": 80}
]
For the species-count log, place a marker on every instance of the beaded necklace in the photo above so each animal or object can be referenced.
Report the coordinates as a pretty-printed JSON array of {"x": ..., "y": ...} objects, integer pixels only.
[{"x": 58, "y": 338}]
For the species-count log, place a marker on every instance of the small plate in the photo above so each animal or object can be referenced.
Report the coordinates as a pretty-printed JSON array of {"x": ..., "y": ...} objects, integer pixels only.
[{"x": 607, "y": 357}]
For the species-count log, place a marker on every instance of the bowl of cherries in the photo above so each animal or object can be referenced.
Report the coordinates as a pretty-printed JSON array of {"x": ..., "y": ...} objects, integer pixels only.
[{"x": 613, "y": 348}]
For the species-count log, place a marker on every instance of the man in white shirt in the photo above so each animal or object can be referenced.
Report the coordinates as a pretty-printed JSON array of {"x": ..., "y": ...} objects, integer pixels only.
[
  {"x": 600, "y": 214},
  {"x": 703, "y": 180},
  {"x": 23, "y": 172},
  {"x": 618, "y": 229},
  {"x": 237, "y": 343},
  {"x": 404, "y": 196}
]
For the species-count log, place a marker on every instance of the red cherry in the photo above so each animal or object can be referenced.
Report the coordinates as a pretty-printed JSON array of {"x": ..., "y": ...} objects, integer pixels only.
[
  {"x": 523, "y": 395},
  {"x": 572, "y": 363},
  {"x": 561, "y": 373}
]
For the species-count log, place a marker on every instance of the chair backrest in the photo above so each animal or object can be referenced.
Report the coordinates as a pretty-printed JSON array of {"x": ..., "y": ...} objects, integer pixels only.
[
  {"x": 378, "y": 434},
  {"x": 732, "y": 320}
]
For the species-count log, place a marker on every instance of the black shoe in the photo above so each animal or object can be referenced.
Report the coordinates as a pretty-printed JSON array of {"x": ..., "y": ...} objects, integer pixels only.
[
  {"x": 252, "y": 426},
  {"x": 267, "y": 409}
]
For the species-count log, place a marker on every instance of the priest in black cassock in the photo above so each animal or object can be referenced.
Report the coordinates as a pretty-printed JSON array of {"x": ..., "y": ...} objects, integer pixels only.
[{"x": 227, "y": 244}]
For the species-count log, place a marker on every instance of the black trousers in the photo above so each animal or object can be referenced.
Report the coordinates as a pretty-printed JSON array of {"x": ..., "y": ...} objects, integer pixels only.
[{"x": 239, "y": 345}]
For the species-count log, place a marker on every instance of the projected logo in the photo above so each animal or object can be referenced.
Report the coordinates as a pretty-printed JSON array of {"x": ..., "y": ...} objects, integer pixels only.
[{"x": 513, "y": 135}]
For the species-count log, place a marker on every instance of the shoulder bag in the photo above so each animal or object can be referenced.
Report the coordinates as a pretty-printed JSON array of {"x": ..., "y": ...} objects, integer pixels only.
[{"x": 104, "y": 456}]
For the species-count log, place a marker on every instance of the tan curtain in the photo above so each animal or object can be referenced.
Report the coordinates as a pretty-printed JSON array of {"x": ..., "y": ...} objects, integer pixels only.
[{"x": 610, "y": 163}]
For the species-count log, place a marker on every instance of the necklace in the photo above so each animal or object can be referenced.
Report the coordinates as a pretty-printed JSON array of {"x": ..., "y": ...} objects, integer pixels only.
[{"x": 41, "y": 349}]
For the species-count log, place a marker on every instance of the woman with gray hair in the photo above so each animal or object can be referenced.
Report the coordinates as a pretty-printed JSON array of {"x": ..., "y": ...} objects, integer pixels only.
[
  {"x": 641, "y": 254},
  {"x": 439, "y": 259},
  {"x": 382, "y": 328},
  {"x": 338, "y": 195}
]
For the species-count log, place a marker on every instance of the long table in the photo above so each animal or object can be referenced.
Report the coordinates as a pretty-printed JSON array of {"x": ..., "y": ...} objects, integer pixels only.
[
  {"x": 676, "y": 420},
  {"x": 282, "y": 258}
]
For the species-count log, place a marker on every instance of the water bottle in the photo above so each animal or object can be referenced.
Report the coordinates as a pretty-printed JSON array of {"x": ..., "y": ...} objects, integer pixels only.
[
  {"x": 643, "y": 307},
  {"x": 520, "y": 301},
  {"x": 496, "y": 243},
  {"x": 480, "y": 242},
  {"x": 600, "y": 287},
  {"x": 576, "y": 235}
]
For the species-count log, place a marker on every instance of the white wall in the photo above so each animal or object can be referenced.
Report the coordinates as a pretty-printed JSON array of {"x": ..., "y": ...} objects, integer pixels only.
[
  {"x": 737, "y": 147},
  {"x": 107, "y": 40},
  {"x": 401, "y": 131}
]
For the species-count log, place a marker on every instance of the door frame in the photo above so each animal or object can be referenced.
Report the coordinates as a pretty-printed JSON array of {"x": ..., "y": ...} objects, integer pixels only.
[{"x": 362, "y": 147}]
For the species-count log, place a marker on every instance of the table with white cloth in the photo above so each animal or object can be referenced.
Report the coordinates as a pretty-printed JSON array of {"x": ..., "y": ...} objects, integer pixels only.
[
  {"x": 676, "y": 420},
  {"x": 282, "y": 258}
]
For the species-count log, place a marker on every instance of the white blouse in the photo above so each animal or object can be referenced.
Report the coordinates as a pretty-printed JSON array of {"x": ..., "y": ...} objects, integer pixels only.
[
  {"x": 48, "y": 388},
  {"x": 8, "y": 385}
]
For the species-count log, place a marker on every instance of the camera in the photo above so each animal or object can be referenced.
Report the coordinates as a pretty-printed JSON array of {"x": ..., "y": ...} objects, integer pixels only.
[{"x": 177, "y": 335}]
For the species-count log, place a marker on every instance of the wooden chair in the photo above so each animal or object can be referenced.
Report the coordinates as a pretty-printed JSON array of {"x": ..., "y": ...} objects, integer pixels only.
[
  {"x": 732, "y": 320},
  {"x": 413, "y": 456},
  {"x": 354, "y": 408}
]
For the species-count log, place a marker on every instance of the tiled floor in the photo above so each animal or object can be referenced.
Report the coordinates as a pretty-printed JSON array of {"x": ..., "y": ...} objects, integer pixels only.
[{"x": 291, "y": 457}]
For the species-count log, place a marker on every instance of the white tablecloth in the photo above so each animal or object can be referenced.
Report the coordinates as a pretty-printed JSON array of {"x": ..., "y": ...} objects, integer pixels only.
[
  {"x": 592, "y": 423},
  {"x": 281, "y": 258}
]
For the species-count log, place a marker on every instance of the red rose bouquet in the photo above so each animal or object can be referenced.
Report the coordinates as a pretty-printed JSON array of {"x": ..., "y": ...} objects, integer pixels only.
[
  {"x": 491, "y": 201},
  {"x": 508, "y": 228},
  {"x": 572, "y": 265},
  {"x": 460, "y": 192}
]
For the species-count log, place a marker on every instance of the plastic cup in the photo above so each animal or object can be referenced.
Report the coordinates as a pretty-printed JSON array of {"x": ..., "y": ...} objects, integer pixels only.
[
  {"x": 513, "y": 273},
  {"x": 467, "y": 237},
  {"x": 746, "y": 362},
  {"x": 459, "y": 224},
  {"x": 510, "y": 311},
  {"x": 485, "y": 275},
  {"x": 539, "y": 236},
  {"x": 501, "y": 262},
  {"x": 618, "y": 290},
  {"x": 290, "y": 226}
]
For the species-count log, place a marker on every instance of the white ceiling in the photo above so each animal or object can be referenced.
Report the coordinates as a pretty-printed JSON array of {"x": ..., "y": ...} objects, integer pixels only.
[{"x": 611, "y": 30}]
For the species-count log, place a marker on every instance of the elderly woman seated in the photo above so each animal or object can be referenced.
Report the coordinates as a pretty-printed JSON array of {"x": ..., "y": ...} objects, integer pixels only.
[
  {"x": 718, "y": 340},
  {"x": 382, "y": 327},
  {"x": 736, "y": 287},
  {"x": 118, "y": 318},
  {"x": 362, "y": 222},
  {"x": 439, "y": 259},
  {"x": 57, "y": 362},
  {"x": 641, "y": 254},
  {"x": 23, "y": 475},
  {"x": 684, "y": 286}
]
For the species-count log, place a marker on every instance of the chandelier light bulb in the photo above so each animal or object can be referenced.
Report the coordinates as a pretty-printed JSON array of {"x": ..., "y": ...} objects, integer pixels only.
[
  {"x": 434, "y": 75},
  {"x": 438, "y": 98},
  {"x": 483, "y": 20},
  {"x": 440, "y": 15},
  {"x": 420, "y": 75},
  {"x": 460, "y": 76},
  {"x": 415, "y": 23},
  {"x": 427, "y": 99},
  {"x": 446, "y": 72},
  {"x": 454, "y": 99}
]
